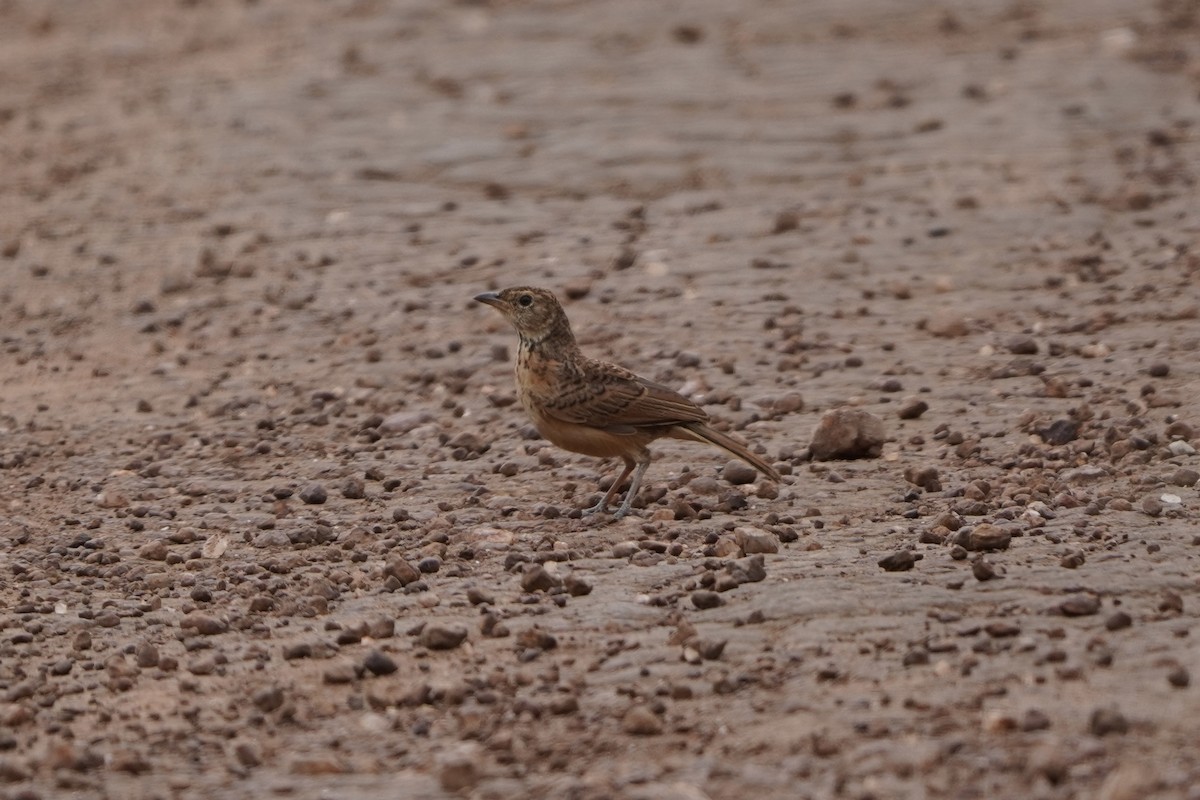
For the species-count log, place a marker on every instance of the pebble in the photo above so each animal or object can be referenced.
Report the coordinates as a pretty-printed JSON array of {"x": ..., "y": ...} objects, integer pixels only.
[
  {"x": 402, "y": 571},
  {"x": 379, "y": 663},
  {"x": 625, "y": 549},
  {"x": 738, "y": 472},
  {"x": 847, "y": 433},
  {"x": 154, "y": 551},
  {"x": 353, "y": 488},
  {"x": 754, "y": 540},
  {"x": 1185, "y": 476},
  {"x": 1080, "y": 605},
  {"x": 268, "y": 699},
  {"x": 405, "y": 421},
  {"x": 340, "y": 674},
  {"x": 1118, "y": 620},
  {"x": 986, "y": 537},
  {"x": 750, "y": 569},
  {"x": 314, "y": 494},
  {"x": 536, "y": 578},
  {"x": 577, "y": 585},
  {"x": 460, "y": 768},
  {"x": 146, "y": 655},
  {"x": 1179, "y": 677},
  {"x": 912, "y": 408},
  {"x": 641, "y": 721},
  {"x": 927, "y": 478},
  {"x": 983, "y": 570},
  {"x": 429, "y": 565},
  {"x": 900, "y": 561},
  {"x": 1105, "y": 721},
  {"x": 477, "y": 596},
  {"x": 436, "y": 636},
  {"x": 204, "y": 624},
  {"x": 704, "y": 599},
  {"x": 1022, "y": 345}
]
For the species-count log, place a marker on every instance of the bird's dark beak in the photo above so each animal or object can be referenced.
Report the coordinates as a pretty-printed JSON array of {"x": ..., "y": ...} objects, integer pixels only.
[{"x": 491, "y": 298}]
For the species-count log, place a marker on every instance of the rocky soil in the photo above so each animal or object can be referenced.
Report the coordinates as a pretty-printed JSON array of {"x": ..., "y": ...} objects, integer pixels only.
[{"x": 275, "y": 527}]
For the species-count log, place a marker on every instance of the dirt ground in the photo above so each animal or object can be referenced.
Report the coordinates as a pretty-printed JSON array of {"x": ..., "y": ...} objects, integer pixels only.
[{"x": 274, "y": 526}]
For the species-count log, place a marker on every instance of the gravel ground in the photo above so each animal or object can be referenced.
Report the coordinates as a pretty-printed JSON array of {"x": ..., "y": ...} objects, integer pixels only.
[{"x": 276, "y": 527}]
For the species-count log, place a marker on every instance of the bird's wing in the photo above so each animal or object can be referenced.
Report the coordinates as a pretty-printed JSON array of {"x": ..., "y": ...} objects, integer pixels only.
[{"x": 611, "y": 397}]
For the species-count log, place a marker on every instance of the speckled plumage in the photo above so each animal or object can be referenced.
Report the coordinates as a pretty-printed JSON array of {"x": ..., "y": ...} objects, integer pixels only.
[{"x": 593, "y": 407}]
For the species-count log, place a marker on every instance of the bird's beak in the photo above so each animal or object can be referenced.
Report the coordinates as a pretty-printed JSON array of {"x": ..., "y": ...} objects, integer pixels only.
[{"x": 491, "y": 298}]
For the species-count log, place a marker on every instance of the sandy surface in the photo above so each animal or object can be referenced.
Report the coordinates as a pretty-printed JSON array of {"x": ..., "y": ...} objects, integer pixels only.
[{"x": 239, "y": 242}]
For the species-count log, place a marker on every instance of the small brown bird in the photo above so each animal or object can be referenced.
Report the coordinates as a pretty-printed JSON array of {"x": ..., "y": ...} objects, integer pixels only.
[{"x": 592, "y": 407}]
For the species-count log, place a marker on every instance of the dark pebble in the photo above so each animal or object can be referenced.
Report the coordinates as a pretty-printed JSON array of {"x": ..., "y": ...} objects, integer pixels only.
[
  {"x": 704, "y": 599},
  {"x": 314, "y": 494},
  {"x": 379, "y": 663},
  {"x": 900, "y": 561}
]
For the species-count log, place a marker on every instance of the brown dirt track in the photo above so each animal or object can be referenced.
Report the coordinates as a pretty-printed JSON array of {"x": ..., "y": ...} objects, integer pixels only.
[{"x": 239, "y": 242}]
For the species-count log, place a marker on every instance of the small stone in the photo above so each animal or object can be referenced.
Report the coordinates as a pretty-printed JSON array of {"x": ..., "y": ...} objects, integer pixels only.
[
  {"x": 847, "y": 433},
  {"x": 899, "y": 561},
  {"x": 926, "y": 477},
  {"x": 750, "y": 569},
  {"x": 982, "y": 569},
  {"x": 314, "y": 494},
  {"x": 1152, "y": 506},
  {"x": 704, "y": 599},
  {"x": 405, "y": 421},
  {"x": 1022, "y": 345},
  {"x": 437, "y": 636},
  {"x": 1179, "y": 677},
  {"x": 204, "y": 624},
  {"x": 1159, "y": 369},
  {"x": 146, "y": 655},
  {"x": 204, "y": 665},
  {"x": 536, "y": 578},
  {"x": 1060, "y": 432},
  {"x": 268, "y": 700},
  {"x": 577, "y": 585},
  {"x": 1118, "y": 620},
  {"x": 1034, "y": 720},
  {"x": 429, "y": 565},
  {"x": 379, "y": 663},
  {"x": 247, "y": 754},
  {"x": 340, "y": 674},
  {"x": 1185, "y": 476},
  {"x": 753, "y": 540},
  {"x": 641, "y": 721},
  {"x": 986, "y": 537},
  {"x": 353, "y": 488},
  {"x": 404, "y": 572},
  {"x": 154, "y": 551},
  {"x": 107, "y": 619},
  {"x": 1080, "y": 605},
  {"x": 625, "y": 549},
  {"x": 477, "y": 596},
  {"x": 738, "y": 472},
  {"x": 1105, "y": 721},
  {"x": 912, "y": 408},
  {"x": 460, "y": 768}
]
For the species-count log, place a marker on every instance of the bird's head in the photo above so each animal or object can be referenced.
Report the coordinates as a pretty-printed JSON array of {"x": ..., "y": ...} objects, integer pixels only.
[{"x": 535, "y": 313}]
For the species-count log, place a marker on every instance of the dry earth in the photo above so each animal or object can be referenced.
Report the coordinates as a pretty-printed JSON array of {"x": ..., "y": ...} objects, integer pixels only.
[{"x": 239, "y": 242}]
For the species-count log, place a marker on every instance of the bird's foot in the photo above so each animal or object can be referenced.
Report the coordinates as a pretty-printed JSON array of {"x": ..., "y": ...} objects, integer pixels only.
[{"x": 599, "y": 508}]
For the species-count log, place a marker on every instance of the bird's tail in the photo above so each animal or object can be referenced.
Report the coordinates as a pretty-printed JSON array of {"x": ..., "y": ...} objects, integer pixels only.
[{"x": 702, "y": 433}]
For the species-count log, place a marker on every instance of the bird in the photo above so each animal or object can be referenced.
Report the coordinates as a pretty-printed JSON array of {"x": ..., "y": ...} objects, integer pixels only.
[{"x": 593, "y": 407}]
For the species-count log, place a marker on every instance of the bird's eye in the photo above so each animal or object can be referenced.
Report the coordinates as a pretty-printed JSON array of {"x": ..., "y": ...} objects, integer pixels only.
[{"x": 525, "y": 300}]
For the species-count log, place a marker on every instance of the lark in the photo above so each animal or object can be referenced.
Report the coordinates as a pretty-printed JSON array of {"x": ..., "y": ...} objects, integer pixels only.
[{"x": 593, "y": 407}]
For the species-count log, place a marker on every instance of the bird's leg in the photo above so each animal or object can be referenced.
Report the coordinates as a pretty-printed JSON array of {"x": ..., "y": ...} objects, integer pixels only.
[
  {"x": 602, "y": 506},
  {"x": 634, "y": 485}
]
